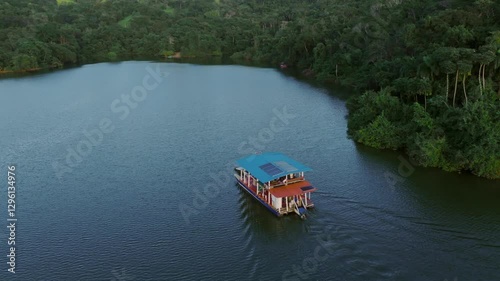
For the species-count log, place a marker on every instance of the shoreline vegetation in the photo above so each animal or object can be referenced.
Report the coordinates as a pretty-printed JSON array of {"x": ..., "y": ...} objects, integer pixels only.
[
  {"x": 426, "y": 74},
  {"x": 4, "y": 71}
]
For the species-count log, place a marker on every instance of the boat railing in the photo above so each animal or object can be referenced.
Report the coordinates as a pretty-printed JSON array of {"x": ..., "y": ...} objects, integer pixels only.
[{"x": 277, "y": 183}]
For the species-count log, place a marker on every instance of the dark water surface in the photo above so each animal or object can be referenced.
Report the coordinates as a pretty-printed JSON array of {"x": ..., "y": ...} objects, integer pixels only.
[{"x": 130, "y": 207}]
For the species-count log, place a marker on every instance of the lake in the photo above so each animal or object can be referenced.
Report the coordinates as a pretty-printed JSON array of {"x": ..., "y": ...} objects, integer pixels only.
[{"x": 124, "y": 172}]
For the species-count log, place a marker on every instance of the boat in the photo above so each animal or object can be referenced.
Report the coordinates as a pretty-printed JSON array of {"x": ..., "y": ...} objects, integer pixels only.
[
  {"x": 277, "y": 182},
  {"x": 283, "y": 65}
]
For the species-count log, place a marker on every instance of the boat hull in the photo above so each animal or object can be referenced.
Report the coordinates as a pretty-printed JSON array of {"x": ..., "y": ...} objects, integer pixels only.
[{"x": 269, "y": 207}]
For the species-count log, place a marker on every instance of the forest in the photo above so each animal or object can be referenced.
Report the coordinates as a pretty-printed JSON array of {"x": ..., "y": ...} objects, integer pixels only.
[{"x": 425, "y": 74}]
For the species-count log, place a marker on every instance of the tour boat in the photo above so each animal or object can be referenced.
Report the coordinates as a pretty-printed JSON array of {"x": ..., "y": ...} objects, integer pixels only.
[{"x": 277, "y": 182}]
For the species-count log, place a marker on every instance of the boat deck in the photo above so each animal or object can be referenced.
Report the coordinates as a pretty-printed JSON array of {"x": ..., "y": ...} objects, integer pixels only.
[
  {"x": 284, "y": 190},
  {"x": 297, "y": 188}
]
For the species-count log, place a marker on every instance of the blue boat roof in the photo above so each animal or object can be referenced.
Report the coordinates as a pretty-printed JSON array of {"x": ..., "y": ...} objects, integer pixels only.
[{"x": 270, "y": 166}]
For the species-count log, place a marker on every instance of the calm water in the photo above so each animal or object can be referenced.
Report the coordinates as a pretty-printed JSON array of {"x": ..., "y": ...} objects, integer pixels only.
[{"x": 130, "y": 207}]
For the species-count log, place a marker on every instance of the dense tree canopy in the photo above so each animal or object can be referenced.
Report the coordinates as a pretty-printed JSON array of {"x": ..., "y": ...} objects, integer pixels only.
[{"x": 429, "y": 70}]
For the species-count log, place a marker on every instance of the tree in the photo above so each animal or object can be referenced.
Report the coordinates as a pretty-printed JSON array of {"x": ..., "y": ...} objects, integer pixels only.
[{"x": 24, "y": 62}]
